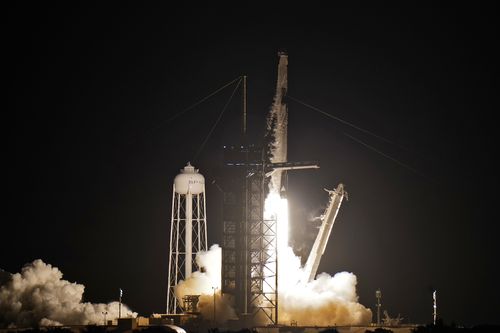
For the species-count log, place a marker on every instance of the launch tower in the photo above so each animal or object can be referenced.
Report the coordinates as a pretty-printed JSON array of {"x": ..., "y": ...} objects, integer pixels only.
[{"x": 250, "y": 240}]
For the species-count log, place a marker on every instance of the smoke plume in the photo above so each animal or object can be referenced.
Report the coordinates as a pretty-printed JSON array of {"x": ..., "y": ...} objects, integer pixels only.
[
  {"x": 325, "y": 301},
  {"x": 38, "y": 296},
  {"x": 207, "y": 284}
]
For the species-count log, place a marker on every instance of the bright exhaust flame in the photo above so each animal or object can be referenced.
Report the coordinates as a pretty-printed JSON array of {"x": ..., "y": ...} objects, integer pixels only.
[
  {"x": 324, "y": 301},
  {"x": 277, "y": 208}
]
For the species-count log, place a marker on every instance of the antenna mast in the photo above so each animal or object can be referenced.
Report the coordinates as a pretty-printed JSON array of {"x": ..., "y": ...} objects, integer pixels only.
[
  {"x": 434, "y": 305},
  {"x": 378, "y": 294},
  {"x": 244, "y": 106}
]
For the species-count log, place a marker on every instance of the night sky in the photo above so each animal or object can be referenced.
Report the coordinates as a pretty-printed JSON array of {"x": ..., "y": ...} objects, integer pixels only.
[{"x": 90, "y": 153}]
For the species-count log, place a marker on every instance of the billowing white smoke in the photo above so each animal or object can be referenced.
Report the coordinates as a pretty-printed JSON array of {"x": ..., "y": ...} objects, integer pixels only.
[
  {"x": 38, "y": 296},
  {"x": 207, "y": 284},
  {"x": 327, "y": 300}
]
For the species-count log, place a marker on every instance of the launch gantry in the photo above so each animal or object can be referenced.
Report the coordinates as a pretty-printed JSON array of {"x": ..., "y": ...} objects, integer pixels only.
[{"x": 250, "y": 241}]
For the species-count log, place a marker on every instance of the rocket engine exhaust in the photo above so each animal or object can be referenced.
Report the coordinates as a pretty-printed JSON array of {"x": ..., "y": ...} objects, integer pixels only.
[{"x": 325, "y": 300}]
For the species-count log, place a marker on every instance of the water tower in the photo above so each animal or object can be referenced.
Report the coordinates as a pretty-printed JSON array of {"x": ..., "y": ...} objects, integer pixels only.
[{"x": 188, "y": 230}]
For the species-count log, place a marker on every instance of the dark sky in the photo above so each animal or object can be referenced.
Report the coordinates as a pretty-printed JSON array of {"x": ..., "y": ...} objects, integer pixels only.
[{"x": 90, "y": 154}]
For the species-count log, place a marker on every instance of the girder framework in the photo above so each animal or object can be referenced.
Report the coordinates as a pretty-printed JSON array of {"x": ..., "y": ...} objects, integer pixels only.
[
  {"x": 249, "y": 252},
  {"x": 188, "y": 211}
]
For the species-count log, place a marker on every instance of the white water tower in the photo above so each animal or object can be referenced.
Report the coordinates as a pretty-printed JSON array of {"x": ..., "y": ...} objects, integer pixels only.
[{"x": 188, "y": 230}]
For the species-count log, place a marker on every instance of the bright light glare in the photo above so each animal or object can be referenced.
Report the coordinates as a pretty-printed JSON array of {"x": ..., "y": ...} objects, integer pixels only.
[{"x": 277, "y": 208}]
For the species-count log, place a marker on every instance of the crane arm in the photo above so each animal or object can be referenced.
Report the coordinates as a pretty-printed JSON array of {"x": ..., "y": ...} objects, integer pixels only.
[{"x": 325, "y": 230}]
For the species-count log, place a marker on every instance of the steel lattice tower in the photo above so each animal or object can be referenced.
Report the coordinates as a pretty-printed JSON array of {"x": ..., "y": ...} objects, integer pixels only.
[{"x": 188, "y": 230}]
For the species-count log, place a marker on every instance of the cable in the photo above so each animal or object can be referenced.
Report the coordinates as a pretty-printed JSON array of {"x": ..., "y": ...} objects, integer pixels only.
[
  {"x": 216, "y": 122},
  {"x": 193, "y": 105},
  {"x": 343, "y": 121},
  {"x": 367, "y": 132},
  {"x": 385, "y": 155}
]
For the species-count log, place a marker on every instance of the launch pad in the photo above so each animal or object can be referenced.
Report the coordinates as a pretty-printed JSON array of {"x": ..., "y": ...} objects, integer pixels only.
[
  {"x": 250, "y": 240},
  {"x": 252, "y": 233}
]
